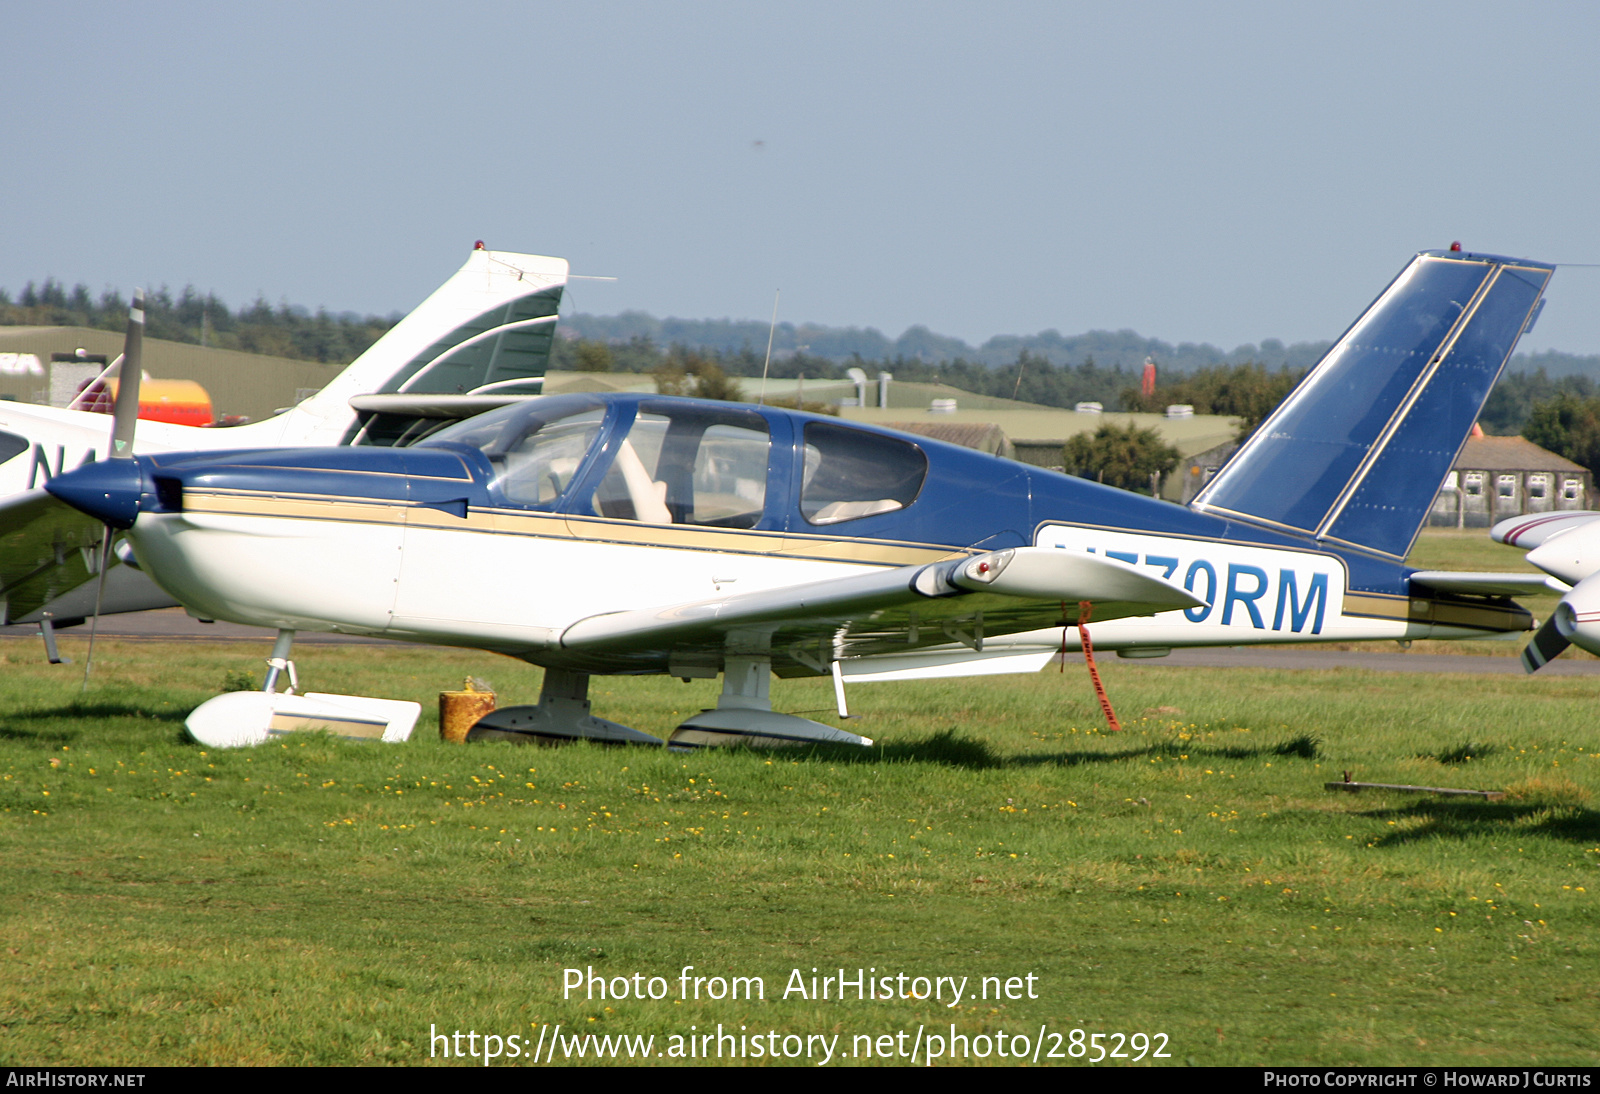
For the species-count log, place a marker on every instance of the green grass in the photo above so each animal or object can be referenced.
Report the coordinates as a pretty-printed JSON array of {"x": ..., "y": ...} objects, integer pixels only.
[{"x": 321, "y": 902}]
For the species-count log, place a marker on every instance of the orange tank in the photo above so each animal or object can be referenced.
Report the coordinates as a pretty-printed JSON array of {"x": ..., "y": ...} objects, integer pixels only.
[{"x": 179, "y": 402}]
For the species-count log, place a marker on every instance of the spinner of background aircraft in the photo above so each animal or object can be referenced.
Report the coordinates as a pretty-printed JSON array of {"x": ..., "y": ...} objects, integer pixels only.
[
  {"x": 642, "y": 534},
  {"x": 480, "y": 340}
]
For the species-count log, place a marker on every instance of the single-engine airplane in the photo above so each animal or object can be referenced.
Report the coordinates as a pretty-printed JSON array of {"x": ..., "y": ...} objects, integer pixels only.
[
  {"x": 642, "y": 534},
  {"x": 479, "y": 341}
]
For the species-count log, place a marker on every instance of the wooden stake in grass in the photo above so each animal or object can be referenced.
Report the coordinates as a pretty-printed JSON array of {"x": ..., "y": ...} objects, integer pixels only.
[
  {"x": 1084, "y": 608},
  {"x": 1356, "y": 788}
]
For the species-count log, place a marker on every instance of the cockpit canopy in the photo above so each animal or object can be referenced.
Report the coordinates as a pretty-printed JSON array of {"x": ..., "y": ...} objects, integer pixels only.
[{"x": 679, "y": 461}]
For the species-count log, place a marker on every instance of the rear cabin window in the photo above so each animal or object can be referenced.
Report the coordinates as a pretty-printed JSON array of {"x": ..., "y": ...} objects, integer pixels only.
[
  {"x": 850, "y": 474},
  {"x": 689, "y": 465}
]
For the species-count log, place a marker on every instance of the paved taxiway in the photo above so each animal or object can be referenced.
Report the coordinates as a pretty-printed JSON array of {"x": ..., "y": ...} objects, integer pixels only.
[{"x": 173, "y": 625}]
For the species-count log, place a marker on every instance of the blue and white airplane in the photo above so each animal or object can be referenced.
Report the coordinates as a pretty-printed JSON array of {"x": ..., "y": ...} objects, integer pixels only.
[{"x": 640, "y": 534}]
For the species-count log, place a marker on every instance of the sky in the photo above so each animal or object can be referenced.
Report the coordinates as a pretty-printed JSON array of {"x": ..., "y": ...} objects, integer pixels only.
[{"x": 1222, "y": 172}]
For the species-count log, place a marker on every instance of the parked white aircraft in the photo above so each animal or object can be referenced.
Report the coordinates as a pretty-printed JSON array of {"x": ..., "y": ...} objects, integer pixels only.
[
  {"x": 642, "y": 534},
  {"x": 1567, "y": 547},
  {"x": 475, "y": 343}
]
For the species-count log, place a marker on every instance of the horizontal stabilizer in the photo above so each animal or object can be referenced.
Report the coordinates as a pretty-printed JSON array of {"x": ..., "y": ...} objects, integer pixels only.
[
  {"x": 434, "y": 406},
  {"x": 1487, "y": 584}
]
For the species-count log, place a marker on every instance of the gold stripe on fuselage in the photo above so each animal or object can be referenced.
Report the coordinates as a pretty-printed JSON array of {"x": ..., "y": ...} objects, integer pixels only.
[{"x": 682, "y": 537}]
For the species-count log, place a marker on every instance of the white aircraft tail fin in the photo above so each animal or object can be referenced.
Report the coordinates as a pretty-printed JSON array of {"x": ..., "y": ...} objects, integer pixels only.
[{"x": 491, "y": 325}]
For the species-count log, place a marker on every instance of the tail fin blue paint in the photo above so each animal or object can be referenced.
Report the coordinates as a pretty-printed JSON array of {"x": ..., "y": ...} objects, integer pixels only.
[{"x": 1355, "y": 455}]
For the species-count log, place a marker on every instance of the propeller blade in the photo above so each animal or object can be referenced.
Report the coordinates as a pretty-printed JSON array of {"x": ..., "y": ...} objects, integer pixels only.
[
  {"x": 125, "y": 412},
  {"x": 99, "y": 592},
  {"x": 124, "y": 419},
  {"x": 89, "y": 397},
  {"x": 1546, "y": 646}
]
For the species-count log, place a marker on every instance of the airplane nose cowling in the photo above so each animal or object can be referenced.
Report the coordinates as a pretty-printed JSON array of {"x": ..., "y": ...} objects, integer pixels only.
[{"x": 109, "y": 491}]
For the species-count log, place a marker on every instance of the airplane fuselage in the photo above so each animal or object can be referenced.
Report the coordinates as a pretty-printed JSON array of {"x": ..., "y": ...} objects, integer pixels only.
[{"x": 428, "y": 544}]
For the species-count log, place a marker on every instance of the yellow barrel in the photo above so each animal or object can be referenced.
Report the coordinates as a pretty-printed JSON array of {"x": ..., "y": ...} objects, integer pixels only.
[{"x": 459, "y": 711}]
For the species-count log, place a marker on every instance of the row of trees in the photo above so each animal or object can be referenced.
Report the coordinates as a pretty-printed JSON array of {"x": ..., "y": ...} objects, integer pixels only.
[
  {"x": 918, "y": 343},
  {"x": 202, "y": 319},
  {"x": 1561, "y": 413},
  {"x": 1568, "y": 425},
  {"x": 1247, "y": 392},
  {"x": 1030, "y": 378}
]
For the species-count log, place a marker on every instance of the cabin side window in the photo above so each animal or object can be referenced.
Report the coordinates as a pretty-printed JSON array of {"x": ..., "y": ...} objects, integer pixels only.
[
  {"x": 689, "y": 465},
  {"x": 851, "y": 474}
]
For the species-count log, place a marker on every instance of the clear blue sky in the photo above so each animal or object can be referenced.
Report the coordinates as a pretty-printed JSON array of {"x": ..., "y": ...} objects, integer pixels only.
[{"x": 1208, "y": 172}]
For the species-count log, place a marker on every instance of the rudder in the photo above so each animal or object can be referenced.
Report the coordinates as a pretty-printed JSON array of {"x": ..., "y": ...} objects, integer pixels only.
[{"x": 1356, "y": 454}]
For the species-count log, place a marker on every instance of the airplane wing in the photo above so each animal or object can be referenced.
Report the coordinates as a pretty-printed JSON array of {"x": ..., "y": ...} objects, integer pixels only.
[
  {"x": 887, "y": 612},
  {"x": 49, "y": 557}
]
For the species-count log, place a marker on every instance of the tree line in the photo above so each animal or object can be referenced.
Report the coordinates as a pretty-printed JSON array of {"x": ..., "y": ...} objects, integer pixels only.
[
  {"x": 201, "y": 319},
  {"x": 1555, "y": 405}
]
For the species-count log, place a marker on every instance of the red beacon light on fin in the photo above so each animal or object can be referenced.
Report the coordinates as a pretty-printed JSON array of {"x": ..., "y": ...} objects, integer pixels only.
[{"x": 478, "y": 246}]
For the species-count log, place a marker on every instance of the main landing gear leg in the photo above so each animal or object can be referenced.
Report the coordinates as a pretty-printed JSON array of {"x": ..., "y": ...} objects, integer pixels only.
[
  {"x": 279, "y": 663},
  {"x": 744, "y": 713},
  {"x": 561, "y": 715}
]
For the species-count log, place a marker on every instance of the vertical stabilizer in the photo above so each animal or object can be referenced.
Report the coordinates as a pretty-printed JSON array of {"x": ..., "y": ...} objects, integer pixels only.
[
  {"x": 490, "y": 325},
  {"x": 1355, "y": 455}
]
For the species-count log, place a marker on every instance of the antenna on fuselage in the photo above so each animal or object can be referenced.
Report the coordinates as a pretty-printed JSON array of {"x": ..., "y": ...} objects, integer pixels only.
[{"x": 761, "y": 400}]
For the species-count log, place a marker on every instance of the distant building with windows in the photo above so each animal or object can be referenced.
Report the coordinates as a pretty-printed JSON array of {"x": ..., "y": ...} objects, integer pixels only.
[{"x": 1499, "y": 477}]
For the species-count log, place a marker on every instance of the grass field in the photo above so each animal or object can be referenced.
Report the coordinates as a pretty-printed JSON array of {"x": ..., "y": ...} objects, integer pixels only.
[{"x": 321, "y": 902}]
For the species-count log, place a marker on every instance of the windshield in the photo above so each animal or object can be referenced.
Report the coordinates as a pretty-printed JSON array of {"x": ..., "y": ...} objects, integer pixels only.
[{"x": 535, "y": 447}]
